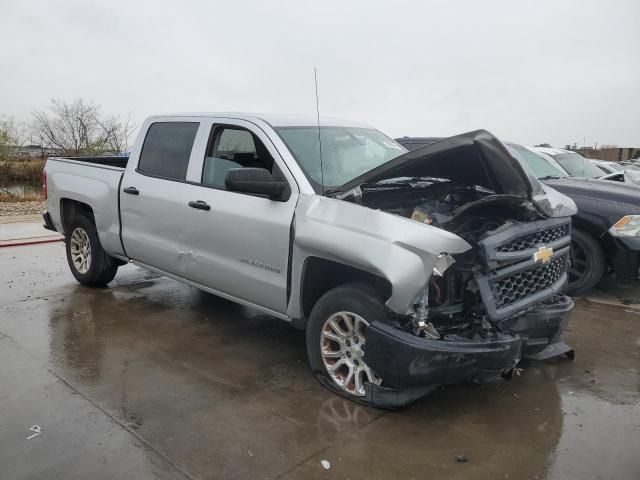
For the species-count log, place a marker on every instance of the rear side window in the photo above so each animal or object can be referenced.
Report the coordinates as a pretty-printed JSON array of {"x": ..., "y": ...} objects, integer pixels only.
[{"x": 167, "y": 148}]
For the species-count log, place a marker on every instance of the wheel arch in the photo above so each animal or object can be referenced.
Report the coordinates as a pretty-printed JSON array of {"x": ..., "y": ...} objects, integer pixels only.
[
  {"x": 319, "y": 275},
  {"x": 603, "y": 238},
  {"x": 70, "y": 208}
]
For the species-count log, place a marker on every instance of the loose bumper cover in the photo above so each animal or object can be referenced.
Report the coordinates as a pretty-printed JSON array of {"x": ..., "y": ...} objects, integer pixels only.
[{"x": 412, "y": 366}]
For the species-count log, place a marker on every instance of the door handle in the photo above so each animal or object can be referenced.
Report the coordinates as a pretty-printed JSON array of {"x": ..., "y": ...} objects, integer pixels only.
[
  {"x": 131, "y": 191},
  {"x": 200, "y": 205}
]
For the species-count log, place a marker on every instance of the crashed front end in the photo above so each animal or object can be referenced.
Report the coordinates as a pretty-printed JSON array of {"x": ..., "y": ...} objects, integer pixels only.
[
  {"x": 518, "y": 313},
  {"x": 483, "y": 309}
]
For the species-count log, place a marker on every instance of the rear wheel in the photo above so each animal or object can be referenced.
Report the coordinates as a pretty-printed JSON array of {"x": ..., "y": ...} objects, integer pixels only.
[
  {"x": 587, "y": 262},
  {"x": 337, "y": 337},
  {"x": 88, "y": 262}
]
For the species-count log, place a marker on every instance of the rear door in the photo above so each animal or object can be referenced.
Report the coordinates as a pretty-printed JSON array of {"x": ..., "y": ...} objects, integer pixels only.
[
  {"x": 240, "y": 242},
  {"x": 154, "y": 195}
]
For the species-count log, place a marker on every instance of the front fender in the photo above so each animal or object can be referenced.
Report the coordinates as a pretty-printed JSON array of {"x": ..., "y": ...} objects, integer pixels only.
[{"x": 397, "y": 249}]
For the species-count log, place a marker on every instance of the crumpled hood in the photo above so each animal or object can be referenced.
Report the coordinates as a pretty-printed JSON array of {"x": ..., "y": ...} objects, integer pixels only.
[{"x": 473, "y": 158}]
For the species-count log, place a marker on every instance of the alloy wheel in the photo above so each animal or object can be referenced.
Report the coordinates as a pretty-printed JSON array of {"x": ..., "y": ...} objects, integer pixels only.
[
  {"x": 342, "y": 346},
  {"x": 80, "y": 248}
]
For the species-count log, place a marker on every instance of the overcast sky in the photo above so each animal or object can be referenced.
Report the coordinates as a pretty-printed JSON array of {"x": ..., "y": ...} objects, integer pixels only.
[{"x": 529, "y": 71}]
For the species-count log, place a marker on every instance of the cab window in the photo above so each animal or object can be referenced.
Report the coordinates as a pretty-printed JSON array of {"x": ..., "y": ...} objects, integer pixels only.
[{"x": 167, "y": 148}]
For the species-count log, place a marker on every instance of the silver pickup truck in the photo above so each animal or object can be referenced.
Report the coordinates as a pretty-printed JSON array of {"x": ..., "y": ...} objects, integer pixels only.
[{"x": 407, "y": 269}]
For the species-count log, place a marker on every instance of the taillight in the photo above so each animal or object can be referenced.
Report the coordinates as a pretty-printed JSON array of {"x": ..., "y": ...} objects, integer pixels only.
[{"x": 44, "y": 184}]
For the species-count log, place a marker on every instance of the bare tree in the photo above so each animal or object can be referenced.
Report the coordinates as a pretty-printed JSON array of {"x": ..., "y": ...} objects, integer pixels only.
[
  {"x": 6, "y": 141},
  {"x": 116, "y": 132},
  {"x": 10, "y": 137},
  {"x": 80, "y": 128}
]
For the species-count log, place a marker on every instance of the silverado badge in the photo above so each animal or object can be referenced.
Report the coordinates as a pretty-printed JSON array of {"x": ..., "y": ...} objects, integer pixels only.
[{"x": 543, "y": 254}]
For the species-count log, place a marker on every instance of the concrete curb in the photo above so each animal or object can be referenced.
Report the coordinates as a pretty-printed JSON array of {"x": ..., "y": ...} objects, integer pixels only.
[
  {"x": 4, "y": 219},
  {"x": 18, "y": 242},
  {"x": 21, "y": 230}
]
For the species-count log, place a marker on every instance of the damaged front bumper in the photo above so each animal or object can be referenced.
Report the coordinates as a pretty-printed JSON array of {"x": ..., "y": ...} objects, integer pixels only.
[{"x": 412, "y": 366}]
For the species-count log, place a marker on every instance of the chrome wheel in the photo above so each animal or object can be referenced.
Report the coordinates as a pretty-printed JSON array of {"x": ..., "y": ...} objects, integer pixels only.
[
  {"x": 80, "y": 248},
  {"x": 342, "y": 345}
]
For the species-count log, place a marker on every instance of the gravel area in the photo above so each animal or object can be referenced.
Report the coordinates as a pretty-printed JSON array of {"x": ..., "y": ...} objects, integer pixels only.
[{"x": 21, "y": 208}]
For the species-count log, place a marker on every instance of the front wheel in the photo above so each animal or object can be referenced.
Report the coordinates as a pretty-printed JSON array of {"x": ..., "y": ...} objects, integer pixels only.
[
  {"x": 587, "y": 262},
  {"x": 88, "y": 261},
  {"x": 337, "y": 337}
]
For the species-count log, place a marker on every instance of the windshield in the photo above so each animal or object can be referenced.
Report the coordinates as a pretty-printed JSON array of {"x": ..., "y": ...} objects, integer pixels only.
[
  {"x": 577, "y": 165},
  {"x": 347, "y": 152},
  {"x": 540, "y": 167},
  {"x": 604, "y": 168}
]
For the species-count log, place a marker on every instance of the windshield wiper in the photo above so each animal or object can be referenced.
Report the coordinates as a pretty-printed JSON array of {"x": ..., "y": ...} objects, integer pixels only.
[
  {"x": 386, "y": 181},
  {"x": 549, "y": 177},
  {"x": 389, "y": 182}
]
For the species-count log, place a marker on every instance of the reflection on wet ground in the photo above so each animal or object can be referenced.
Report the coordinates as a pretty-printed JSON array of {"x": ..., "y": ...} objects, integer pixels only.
[{"x": 153, "y": 379}]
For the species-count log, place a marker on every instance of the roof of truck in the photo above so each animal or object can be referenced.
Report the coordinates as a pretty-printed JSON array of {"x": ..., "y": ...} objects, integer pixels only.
[{"x": 275, "y": 119}]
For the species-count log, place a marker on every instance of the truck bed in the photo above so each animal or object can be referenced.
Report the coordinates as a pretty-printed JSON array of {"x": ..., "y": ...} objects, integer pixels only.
[{"x": 93, "y": 182}]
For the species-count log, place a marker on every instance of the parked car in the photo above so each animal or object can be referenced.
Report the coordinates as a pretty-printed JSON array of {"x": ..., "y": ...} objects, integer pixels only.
[
  {"x": 604, "y": 238},
  {"x": 407, "y": 270},
  {"x": 575, "y": 165},
  {"x": 571, "y": 162},
  {"x": 608, "y": 167},
  {"x": 618, "y": 172}
]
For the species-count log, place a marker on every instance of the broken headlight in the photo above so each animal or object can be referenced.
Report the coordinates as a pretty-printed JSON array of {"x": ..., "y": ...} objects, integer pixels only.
[
  {"x": 421, "y": 326},
  {"x": 627, "y": 226}
]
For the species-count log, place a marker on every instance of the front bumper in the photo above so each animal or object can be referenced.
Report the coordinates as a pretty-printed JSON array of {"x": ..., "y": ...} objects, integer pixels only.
[
  {"x": 626, "y": 258},
  {"x": 412, "y": 366}
]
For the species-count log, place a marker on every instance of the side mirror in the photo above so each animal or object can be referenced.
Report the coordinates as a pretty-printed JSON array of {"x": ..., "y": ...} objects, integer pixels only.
[{"x": 257, "y": 181}]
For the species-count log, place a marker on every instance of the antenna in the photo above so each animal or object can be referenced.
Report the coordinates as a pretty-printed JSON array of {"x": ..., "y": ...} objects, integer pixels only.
[{"x": 315, "y": 77}]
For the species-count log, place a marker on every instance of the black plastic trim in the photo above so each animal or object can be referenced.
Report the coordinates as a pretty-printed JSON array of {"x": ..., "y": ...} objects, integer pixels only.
[
  {"x": 124, "y": 251},
  {"x": 485, "y": 281},
  {"x": 48, "y": 224},
  {"x": 492, "y": 242}
]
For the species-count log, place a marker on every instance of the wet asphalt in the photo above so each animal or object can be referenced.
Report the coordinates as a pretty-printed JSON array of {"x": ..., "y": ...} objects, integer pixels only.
[{"x": 153, "y": 379}]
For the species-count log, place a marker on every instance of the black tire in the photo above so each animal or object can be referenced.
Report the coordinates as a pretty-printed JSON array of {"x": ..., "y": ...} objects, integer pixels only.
[
  {"x": 588, "y": 262},
  {"x": 101, "y": 267},
  {"x": 357, "y": 298}
]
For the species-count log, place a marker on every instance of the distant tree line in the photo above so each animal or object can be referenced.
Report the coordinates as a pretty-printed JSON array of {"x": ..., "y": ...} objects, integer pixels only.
[{"x": 67, "y": 128}]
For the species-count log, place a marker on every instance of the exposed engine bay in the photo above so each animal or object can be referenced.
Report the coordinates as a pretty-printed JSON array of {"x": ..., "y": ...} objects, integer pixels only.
[
  {"x": 464, "y": 210},
  {"x": 453, "y": 303}
]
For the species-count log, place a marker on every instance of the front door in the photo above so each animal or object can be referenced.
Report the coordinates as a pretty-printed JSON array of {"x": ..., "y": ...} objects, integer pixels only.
[{"x": 239, "y": 243}]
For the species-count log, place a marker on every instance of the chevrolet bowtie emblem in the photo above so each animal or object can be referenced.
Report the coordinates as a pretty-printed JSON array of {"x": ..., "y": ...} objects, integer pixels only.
[{"x": 543, "y": 254}]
